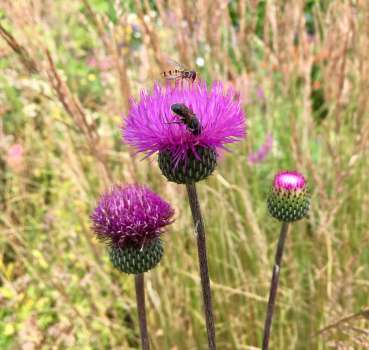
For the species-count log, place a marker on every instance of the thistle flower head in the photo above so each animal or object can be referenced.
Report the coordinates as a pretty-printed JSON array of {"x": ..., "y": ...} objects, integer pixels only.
[
  {"x": 131, "y": 216},
  {"x": 289, "y": 199},
  {"x": 151, "y": 126}
]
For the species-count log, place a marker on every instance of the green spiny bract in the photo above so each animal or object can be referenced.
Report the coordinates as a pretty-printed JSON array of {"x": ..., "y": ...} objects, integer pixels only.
[
  {"x": 137, "y": 260},
  {"x": 191, "y": 169},
  {"x": 288, "y": 206}
]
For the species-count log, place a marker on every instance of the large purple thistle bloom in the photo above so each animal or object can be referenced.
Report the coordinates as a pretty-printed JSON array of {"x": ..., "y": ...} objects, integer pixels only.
[
  {"x": 152, "y": 127},
  {"x": 130, "y": 216}
]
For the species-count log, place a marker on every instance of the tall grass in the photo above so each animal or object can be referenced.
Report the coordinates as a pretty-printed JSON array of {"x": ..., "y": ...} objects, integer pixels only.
[{"x": 68, "y": 69}]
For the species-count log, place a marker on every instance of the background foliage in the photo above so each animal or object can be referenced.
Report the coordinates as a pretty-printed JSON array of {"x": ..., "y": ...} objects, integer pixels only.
[{"x": 68, "y": 69}]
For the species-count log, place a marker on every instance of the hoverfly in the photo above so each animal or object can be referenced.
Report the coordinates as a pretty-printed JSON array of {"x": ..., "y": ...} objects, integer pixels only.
[
  {"x": 179, "y": 73},
  {"x": 187, "y": 117}
]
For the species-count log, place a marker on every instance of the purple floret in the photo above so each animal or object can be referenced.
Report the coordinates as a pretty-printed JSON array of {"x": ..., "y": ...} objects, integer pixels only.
[
  {"x": 149, "y": 126},
  {"x": 130, "y": 216},
  {"x": 289, "y": 180}
]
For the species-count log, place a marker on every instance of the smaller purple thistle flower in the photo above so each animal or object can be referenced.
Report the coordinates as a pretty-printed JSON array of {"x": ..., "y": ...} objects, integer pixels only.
[
  {"x": 130, "y": 216},
  {"x": 131, "y": 219},
  {"x": 260, "y": 155}
]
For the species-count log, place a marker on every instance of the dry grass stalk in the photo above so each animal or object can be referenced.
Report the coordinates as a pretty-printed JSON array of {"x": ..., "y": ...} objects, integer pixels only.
[{"x": 19, "y": 50}]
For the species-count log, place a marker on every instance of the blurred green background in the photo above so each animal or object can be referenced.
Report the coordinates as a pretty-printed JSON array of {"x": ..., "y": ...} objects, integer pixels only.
[{"x": 68, "y": 70}]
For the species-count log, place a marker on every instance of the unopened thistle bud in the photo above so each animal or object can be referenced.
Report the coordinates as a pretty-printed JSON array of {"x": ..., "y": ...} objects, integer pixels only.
[
  {"x": 131, "y": 219},
  {"x": 289, "y": 198}
]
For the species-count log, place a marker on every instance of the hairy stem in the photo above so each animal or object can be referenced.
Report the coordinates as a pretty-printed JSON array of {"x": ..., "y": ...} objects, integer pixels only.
[
  {"x": 274, "y": 285},
  {"x": 204, "y": 273},
  {"x": 140, "y": 297}
]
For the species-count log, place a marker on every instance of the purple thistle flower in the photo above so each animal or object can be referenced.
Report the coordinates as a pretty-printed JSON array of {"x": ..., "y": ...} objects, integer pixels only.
[
  {"x": 130, "y": 216},
  {"x": 152, "y": 127},
  {"x": 289, "y": 181},
  {"x": 262, "y": 152}
]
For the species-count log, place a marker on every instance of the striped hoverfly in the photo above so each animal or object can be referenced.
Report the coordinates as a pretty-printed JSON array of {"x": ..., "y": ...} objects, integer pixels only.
[{"x": 179, "y": 72}]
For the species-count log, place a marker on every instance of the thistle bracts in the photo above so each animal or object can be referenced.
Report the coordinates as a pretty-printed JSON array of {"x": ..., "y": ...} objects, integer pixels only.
[
  {"x": 194, "y": 168},
  {"x": 130, "y": 220},
  {"x": 289, "y": 198},
  {"x": 135, "y": 260}
]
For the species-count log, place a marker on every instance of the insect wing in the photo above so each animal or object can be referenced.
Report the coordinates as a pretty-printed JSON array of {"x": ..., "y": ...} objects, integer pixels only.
[{"x": 176, "y": 64}]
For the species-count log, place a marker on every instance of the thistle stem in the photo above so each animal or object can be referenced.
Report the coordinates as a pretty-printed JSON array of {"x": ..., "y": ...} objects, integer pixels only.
[
  {"x": 203, "y": 263},
  {"x": 274, "y": 285},
  {"x": 140, "y": 298}
]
